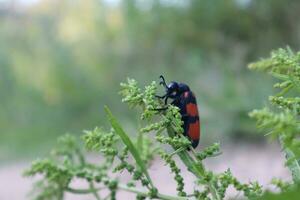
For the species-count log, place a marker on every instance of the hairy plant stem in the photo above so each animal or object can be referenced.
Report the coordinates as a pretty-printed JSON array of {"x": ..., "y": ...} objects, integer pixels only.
[{"x": 125, "y": 188}]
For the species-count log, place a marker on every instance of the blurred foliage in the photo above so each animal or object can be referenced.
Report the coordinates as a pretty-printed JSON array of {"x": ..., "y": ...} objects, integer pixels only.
[
  {"x": 291, "y": 195},
  {"x": 60, "y": 61},
  {"x": 280, "y": 119}
]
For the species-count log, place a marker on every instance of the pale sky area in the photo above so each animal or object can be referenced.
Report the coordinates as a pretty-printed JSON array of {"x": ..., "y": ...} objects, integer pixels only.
[
  {"x": 28, "y": 2},
  {"x": 116, "y": 2}
]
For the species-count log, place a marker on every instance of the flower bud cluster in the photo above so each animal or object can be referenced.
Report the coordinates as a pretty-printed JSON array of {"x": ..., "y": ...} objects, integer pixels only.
[
  {"x": 177, "y": 141},
  {"x": 173, "y": 117},
  {"x": 251, "y": 190},
  {"x": 278, "y": 123},
  {"x": 282, "y": 61},
  {"x": 292, "y": 104},
  {"x": 157, "y": 126},
  {"x": 134, "y": 96},
  {"x": 209, "y": 151},
  {"x": 178, "y": 178},
  {"x": 112, "y": 186},
  {"x": 283, "y": 186},
  {"x": 150, "y": 102},
  {"x": 283, "y": 85},
  {"x": 124, "y": 165},
  {"x": 131, "y": 93},
  {"x": 66, "y": 145},
  {"x": 139, "y": 176},
  {"x": 59, "y": 174},
  {"x": 100, "y": 140},
  {"x": 203, "y": 195},
  {"x": 59, "y": 171}
]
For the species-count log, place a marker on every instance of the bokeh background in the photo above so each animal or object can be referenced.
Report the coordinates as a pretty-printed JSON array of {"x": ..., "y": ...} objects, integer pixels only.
[{"x": 62, "y": 60}]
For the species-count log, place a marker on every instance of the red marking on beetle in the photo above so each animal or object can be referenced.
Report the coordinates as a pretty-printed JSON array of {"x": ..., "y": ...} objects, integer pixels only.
[
  {"x": 192, "y": 109},
  {"x": 194, "y": 130}
]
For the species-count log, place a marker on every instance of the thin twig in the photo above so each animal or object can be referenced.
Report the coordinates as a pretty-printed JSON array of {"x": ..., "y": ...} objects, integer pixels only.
[{"x": 128, "y": 189}]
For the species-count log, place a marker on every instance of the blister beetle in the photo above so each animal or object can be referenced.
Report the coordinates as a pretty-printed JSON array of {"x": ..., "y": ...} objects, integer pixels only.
[{"x": 185, "y": 100}]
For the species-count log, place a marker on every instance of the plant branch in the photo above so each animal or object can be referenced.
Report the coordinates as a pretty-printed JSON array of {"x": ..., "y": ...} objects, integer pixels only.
[
  {"x": 125, "y": 188},
  {"x": 82, "y": 191},
  {"x": 193, "y": 166},
  {"x": 95, "y": 193}
]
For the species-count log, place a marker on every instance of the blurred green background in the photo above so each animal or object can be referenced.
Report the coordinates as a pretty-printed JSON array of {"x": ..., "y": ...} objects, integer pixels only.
[{"x": 62, "y": 60}]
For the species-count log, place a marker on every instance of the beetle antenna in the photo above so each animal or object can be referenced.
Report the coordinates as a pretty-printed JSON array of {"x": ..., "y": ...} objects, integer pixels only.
[{"x": 163, "y": 82}]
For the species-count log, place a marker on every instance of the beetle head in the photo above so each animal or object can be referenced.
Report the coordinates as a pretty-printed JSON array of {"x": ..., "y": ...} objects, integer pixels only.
[{"x": 172, "y": 88}]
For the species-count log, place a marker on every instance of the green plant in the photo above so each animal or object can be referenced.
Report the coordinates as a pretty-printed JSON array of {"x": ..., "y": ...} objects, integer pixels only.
[
  {"x": 281, "y": 118},
  {"x": 133, "y": 153}
]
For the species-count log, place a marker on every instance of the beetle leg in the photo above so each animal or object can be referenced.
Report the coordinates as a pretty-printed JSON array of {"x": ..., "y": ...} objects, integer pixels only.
[
  {"x": 166, "y": 100},
  {"x": 160, "y": 109},
  {"x": 163, "y": 82},
  {"x": 160, "y": 97},
  {"x": 175, "y": 99}
]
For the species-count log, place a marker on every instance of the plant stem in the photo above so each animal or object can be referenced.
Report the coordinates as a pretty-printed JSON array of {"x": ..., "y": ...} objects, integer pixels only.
[
  {"x": 159, "y": 195},
  {"x": 125, "y": 188},
  {"x": 95, "y": 193},
  {"x": 196, "y": 167},
  {"x": 82, "y": 191}
]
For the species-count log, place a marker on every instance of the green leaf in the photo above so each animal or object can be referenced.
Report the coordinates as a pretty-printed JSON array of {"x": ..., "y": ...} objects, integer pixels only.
[{"x": 126, "y": 140}]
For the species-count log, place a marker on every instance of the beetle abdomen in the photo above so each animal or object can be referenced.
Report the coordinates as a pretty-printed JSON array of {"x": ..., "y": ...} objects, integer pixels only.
[{"x": 190, "y": 116}]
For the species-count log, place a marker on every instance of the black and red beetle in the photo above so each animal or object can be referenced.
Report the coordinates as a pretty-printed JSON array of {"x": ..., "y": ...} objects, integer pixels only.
[{"x": 185, "y": 100}]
